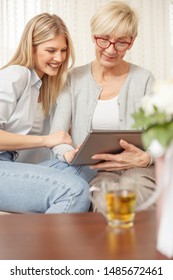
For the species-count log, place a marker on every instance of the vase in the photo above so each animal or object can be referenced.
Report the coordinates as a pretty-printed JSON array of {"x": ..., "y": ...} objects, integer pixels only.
[
  {"x": 164, "y": 210},
  {"x": 159, "y": 167}
]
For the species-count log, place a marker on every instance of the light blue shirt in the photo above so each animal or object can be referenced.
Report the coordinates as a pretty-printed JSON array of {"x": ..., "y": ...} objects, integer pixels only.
[{"x": 19, "y": 92}]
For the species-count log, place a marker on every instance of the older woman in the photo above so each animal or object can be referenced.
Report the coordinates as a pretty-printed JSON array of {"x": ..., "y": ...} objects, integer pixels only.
[{"x": 104, "y": 93}]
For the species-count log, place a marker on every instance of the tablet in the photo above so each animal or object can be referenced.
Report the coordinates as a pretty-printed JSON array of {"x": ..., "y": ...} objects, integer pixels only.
[{"x": 98, "y": 142}]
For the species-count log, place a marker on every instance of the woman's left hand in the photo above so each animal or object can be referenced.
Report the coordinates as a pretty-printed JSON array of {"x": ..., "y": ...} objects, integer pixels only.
[
  {"x": 69, "y": 155},
  {"x": 129, "y": 158}
]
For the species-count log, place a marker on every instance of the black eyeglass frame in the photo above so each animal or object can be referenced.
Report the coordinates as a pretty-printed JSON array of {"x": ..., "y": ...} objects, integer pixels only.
[{"x": 112, "y": 43}]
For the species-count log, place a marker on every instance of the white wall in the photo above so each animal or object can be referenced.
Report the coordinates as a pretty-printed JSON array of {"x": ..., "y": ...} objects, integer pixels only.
[{"x": 152, "y": 48}]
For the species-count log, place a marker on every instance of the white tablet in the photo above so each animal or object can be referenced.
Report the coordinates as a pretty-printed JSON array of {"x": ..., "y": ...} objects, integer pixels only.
[{"x": 98, "y": 142}]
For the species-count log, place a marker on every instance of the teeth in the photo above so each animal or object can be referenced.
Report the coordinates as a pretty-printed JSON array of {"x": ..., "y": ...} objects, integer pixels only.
[{"x": 54, "y": 65}]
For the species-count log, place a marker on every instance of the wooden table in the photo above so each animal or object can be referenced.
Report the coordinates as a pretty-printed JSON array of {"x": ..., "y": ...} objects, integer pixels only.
[{"x": 84, "y": 236}]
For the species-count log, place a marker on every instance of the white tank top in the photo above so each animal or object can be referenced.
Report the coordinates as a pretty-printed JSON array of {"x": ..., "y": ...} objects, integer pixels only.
[{"x": 106, "y": 115}]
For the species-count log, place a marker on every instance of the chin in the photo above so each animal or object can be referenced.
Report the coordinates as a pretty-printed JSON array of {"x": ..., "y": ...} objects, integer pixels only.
[
  {"x": 54, "y": 73},
  {"x": 107, "y": 64}
]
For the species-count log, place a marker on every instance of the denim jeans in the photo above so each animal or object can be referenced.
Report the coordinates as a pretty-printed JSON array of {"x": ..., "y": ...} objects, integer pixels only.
[{"x": 48, "y": 187}]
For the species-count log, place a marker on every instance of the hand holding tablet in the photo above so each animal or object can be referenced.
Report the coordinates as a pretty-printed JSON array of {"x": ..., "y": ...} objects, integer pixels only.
[{"x": 98, "y": 142}]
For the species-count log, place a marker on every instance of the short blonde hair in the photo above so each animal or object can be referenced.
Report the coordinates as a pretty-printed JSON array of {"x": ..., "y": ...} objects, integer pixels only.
[
  {"x": 40, "y": 29},
  {"x": 115, "y": 18}
]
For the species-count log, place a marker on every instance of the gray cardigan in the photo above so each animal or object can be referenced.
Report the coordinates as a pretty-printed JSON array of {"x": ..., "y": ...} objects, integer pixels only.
[{"x": 76, "y": 103}]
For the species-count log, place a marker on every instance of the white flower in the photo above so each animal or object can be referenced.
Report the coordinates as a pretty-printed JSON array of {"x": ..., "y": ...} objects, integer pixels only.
[
  {"x": 162, "y": 98},
  {"x": 147, "y": 105},
  {"x": 156, "y": 149},
  {"x": 155, "y": 117}
]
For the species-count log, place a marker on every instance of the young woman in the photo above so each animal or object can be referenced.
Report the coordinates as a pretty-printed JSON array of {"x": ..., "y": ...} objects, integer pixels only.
[{"x": 29, "y": 85}]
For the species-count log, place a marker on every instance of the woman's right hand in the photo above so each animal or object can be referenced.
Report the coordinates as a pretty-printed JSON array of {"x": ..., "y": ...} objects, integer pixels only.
[
  {"x": 69, "y": 155},
  {"x": 12, "y": 142},
  {"x": 57, "y": 138}
]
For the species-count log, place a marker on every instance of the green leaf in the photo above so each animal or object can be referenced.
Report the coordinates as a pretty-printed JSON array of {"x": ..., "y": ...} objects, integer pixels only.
[
  {"x": 146, "y": 121},
  {"x": 163, "y": 133}
]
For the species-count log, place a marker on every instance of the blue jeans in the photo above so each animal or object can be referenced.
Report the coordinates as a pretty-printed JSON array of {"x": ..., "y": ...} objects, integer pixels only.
[{"x": 48, "y": 187}]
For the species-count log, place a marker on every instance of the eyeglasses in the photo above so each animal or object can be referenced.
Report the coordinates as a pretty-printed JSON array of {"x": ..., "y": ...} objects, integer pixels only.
[{"x": 118, "y": 45}]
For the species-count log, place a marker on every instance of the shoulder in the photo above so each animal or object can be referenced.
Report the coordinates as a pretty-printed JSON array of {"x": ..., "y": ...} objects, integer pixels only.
[
  {"x": 80, "y": 72},
  {"x": 15, "y": 73},
  {"x": 14, "y": 79},
  {"x": 140, "y": 72}
]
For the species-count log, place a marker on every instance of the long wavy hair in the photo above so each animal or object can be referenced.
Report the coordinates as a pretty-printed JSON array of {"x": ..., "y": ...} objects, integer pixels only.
[{"x": 40, "y": 29}]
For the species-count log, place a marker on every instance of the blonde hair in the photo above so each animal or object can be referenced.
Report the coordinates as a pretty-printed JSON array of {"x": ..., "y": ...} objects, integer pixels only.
[
  {"x": 40, "y": 29},
  {"x": 114, "y": 18}
]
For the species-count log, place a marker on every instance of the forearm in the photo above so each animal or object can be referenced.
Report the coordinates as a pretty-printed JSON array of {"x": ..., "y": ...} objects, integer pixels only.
[{"x": 12, "y": 142}]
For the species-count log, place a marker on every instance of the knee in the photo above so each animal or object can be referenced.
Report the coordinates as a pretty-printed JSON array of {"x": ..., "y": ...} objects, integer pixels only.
[
  {"x": 81, "y": 194},
  {"x": 72, "y": 197},
  {"x": 145, "y": 179},
  {"x": 145, "y": 176}
]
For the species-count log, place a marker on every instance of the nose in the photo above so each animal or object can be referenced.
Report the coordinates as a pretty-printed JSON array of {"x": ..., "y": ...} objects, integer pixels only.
[
  {"x": 111, "y": 49},
  {"x": 58, "y": 57}
]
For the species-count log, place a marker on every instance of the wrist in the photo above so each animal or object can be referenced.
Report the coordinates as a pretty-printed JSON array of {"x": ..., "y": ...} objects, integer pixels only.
[
  {"x": 41, "y": 141},
  {"x": 151, "y": 159}
]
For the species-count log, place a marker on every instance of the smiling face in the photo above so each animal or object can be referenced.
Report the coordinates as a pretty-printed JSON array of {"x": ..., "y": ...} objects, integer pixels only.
[
  {"x": 110, "y": 57},
  {"x": 50, "y": 55}
]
